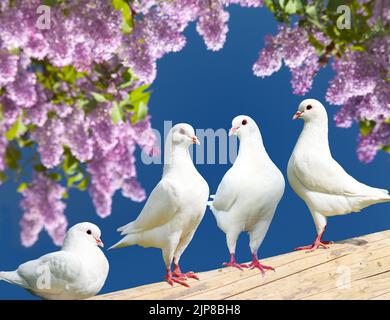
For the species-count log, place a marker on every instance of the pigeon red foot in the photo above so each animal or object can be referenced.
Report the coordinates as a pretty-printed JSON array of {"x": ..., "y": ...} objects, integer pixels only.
[
  {"x": 255, "y": 264},
  {"x": 233, "y": 263},
  {"x": 183, "y": 276},
  {"x": 171, "y": 279},
  {"x": 318, "y": 243}
]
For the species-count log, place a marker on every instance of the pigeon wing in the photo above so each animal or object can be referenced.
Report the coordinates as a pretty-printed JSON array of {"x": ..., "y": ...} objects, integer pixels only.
[
  {"x": 52, "y": 272},
  {"x": 160, "y": 207},
  {"x": 321, "y": 174},
  {"x": 226, "y": 194}
]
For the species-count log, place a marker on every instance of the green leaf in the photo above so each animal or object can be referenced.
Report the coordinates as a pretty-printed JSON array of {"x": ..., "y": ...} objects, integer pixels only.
[
  {"x": 17, "y": 129},
  {"x": 357, "y": 47},
  {"x": 366, "y": 127},
  {"x": 22, "y": 187},
  {"x": 116, "y": 113},
  {"x": 99, "y": 97},
  {"x": 24, "y": 143},
  {"x": 52, "y": 2},
  {"x": 311, "y": 11},
  {"x": 282, "y": 3},
  {"x": 3, "y": 177},
  {"x": 12, "y": 157},
  {"x": 70, "y": 163},
  {"x": 40, "y": 168},
  {"x": 1, "y": 112},
  {"x": 139, "y": 99},
  {"x": 293, "y": 6},
  {"x": 73, "y": 179},
  {"x": 316, "y": 43},
  {"x": 125, "y": 85},
  {"x": 333, "y": 4},
  {"x": 83, "y": 185},
  {"x": 90, "y": 106},
  {"x": 386, "y": 149},
  {"x": 142, "y": 111},
  {"x": 55, "y": 176},
  {"x": 140, "y": 95},
  {"x": 127, "y": 19},
  {"x": 270, "y": 5}
]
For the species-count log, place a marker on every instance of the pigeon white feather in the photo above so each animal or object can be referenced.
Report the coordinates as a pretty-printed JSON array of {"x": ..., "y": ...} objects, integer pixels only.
[
  {"x": 78, "y": 271},
  {"x": 318, "y": 179},
  {"x": 175, "y": 207},
  {"x": 249, "y": 192}
]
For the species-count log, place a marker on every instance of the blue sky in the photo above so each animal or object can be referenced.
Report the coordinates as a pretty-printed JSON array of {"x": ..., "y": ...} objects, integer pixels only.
[{"x": 208, "y": 89}]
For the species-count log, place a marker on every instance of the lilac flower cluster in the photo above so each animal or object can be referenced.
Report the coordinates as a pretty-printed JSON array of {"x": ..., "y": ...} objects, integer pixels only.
[
  {"x": 361, "y": 84},
  {"x": 112, "y": 166},
  {"x": 43, "y": 209},
  {"x": 83, "y": 34},
  {"x": 159, "y": 27},
  {"x": 362, "y": 87},
  {"x": 292, "y": 46},
  {"x": 65, "y": 117}
]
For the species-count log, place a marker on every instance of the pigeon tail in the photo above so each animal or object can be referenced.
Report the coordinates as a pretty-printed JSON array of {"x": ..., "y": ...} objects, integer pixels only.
[
  {"x": 127, "y": 241},
  {"x": 382, "y": 195},
  {"x": 210, "y": 203},
  {"x": 128, "y": 228},
  {"x": 13, "y": 278},
  {"x": 222, "y": 219}
]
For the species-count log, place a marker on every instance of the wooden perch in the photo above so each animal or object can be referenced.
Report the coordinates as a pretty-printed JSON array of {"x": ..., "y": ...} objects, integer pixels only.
[{"x": 358, "y": 268}]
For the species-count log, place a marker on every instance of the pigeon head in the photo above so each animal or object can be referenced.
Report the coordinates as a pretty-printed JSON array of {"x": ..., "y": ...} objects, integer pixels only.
[
  {"x": 83, "y": 233},
  {"x": 183, "y": 134},
  {"x": 310, "y": 110},
  {"x": 243, "y": 126}
]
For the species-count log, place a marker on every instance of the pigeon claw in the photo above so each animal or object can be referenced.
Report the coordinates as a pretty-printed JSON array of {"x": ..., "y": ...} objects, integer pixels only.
[
  {"x": 171, "y": 279},
  {"x": 316, "y": 245},
  {"x": 234, "y": 264},
  {"x": 185, "y": 276},
  {"x": 255, "y": 264}
]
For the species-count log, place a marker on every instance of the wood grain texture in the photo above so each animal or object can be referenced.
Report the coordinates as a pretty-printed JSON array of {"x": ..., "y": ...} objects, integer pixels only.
[{"x": 357, "y": 268}]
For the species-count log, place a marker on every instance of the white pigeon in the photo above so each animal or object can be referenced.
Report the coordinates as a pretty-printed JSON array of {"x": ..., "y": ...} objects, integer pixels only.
[
  {"x": 249, "y": 193},
  {"x": 319, "y": 180},
  {"x": 175, "y": 207},
  {"x": 78, "y": 271}
]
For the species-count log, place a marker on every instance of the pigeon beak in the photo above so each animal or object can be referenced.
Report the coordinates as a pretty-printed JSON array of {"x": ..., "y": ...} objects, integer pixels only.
[
  {"x": 297, "y": 115},
  {"x": 99, "y": 242},
  {"x": 195, "y": 140},
  {"x": 233, "y": 131}
]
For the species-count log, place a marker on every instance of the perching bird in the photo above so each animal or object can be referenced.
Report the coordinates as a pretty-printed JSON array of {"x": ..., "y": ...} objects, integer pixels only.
[
  {"x": 78, "y": 271},
  {"x": 319, "y": 180},
  {"x": 249, "y": 193},
  {"x": 175, "y": 207}
]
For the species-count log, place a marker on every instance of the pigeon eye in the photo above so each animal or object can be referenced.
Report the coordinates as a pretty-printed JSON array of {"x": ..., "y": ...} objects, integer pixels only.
[
  {"x": 309, "y": 107},
  {"x": 244, "y": 122},
  {"x": 89, "y": 232},
  {"x": 182, "y": 131}
]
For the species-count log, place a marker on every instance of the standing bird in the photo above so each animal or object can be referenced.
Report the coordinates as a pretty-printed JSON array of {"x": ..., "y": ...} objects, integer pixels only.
[
  {"x": 78, "y": 271},
  {"x": 319, "y": 180},
  {"x": 175, "y": 207},
  {"x": 249, "y": 193}
]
